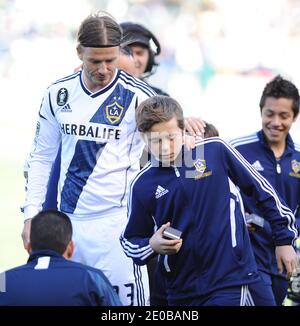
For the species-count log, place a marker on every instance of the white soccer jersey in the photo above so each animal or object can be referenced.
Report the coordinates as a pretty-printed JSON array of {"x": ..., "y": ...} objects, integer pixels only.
[{"x": 100, "y": 145}]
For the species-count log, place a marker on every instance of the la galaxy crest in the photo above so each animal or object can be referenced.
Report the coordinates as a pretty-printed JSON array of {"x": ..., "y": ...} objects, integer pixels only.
[
  {"x": 62, "y": 97},
  {"x": 200, "y": 166},
  {"x": 114, "y": 112},
  {"x": 296, "y": 169}
]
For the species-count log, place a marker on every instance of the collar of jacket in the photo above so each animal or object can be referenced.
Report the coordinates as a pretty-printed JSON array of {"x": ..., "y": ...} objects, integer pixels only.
[
  {"x": 289, "y": 148},
  {"x": 156, "y": 163},
  {"x": 40, "y": 253}
]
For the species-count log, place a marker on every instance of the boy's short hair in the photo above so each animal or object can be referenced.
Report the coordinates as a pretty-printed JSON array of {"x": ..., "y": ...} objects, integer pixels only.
[
  {"x": 278, "y": 88},
  {"x": 50, "y": 230},
  {"x": 210, "y": 130},
  {"x": 158, "y": 109}
]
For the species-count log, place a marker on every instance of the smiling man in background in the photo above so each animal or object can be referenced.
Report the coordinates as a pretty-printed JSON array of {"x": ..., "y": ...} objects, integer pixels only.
[{"x": 272, "y": 152}]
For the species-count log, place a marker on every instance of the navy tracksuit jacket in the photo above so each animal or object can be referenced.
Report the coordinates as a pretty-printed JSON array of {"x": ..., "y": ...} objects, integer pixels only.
[
  {"x": 200, "y": 198},
  {"x": 284, "y": 176},
  {"x": 48, "y": 279}
]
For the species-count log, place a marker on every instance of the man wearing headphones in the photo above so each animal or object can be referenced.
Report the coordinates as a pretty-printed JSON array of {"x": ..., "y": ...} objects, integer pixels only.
[{"x": 145, "y": 47}]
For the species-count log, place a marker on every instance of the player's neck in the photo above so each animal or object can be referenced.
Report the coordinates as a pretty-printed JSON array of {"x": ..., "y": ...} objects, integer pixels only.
[{"x": 278, "y": 149}]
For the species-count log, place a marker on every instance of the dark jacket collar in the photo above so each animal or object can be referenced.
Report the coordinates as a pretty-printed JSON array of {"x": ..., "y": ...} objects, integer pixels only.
[
  {"x": 156, "y": 163},
  {"x": 42, "y": 253},
  {"x": 289, "y": 148}
]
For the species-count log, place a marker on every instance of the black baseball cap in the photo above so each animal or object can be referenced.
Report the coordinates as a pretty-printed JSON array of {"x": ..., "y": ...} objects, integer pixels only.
[{"x": 136, "y": 33}]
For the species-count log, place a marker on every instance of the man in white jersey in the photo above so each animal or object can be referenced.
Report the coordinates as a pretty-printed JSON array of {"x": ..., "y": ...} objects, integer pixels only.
[{"x": 92, "y": 114}]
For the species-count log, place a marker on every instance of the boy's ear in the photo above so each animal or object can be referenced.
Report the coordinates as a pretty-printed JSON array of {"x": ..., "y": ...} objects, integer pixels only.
[{"x": 145, "y": 138}]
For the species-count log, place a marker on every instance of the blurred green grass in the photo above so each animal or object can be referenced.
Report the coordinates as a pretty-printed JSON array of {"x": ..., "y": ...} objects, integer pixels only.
[{"x": 11, "y": 219}]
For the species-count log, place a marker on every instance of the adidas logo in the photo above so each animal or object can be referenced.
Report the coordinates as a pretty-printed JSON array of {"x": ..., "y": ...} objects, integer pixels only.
[
  {"x": 257, "y": 166},
  {"x": 160, "y": 191},
  {"x": 66, "y": 108}
]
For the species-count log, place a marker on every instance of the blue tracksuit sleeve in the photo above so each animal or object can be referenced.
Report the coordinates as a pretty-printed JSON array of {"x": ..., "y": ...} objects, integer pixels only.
[
  {"x": 100, "y": 290},
  {"x": 269, "y": 203},
  {"x": 297, "y": 216},
  {"x": 139, "y": 230}
]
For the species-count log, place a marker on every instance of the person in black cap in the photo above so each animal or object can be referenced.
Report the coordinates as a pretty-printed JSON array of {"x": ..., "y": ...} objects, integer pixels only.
[{"x": 145, "y": 47}]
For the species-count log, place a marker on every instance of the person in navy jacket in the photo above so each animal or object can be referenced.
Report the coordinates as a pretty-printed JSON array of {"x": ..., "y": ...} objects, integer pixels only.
[
  {"x": 196, "y": 193},
  {"x": 272, "y": 152},
  {"x": 49, "y": 278}
]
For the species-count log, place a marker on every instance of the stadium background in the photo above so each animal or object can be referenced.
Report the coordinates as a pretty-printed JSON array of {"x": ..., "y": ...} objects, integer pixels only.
[{"x": 217, "y": 56}]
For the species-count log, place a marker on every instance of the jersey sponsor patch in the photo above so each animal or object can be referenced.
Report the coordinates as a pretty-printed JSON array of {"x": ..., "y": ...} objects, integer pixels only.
[
  {"x": 62, "y": 96},
  {"x": 94, "y": 132}
]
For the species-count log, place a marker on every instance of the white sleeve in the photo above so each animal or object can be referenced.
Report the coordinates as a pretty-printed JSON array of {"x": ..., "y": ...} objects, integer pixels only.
[
  {"x": 43, "y": 153},
  {"x": 26, "y": 165}
]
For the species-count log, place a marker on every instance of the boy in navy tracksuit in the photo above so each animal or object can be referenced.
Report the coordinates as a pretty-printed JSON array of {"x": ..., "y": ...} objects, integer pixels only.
[
  {"x": 49, "y": 278},
  {"x": 212, "y": 263},
  {"x": 272, "y": 152}
]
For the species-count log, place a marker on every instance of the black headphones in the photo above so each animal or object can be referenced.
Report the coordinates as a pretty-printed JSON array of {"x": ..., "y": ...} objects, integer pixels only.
[{"x": 136, "y": 33}]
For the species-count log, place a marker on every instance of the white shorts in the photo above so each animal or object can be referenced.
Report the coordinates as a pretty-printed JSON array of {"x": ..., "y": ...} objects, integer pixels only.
[{"x": 97, "y": 244}]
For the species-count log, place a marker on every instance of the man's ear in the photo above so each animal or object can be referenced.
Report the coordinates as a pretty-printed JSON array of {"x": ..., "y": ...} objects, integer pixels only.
[
  {"x": 29, "y": 248},
  {"x": 79, "y": 51},
  {"x": 69, "y": 250}
]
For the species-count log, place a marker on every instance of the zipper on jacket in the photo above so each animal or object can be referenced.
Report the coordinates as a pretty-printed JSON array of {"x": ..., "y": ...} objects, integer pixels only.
[
  {"x": 176, "y": 172},
  {"x": 278, "y": 168}
]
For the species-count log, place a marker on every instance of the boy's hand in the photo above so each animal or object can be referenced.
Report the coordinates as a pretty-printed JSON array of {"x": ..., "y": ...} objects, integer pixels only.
[
  {"x": 164, "y": 246},
  {"x": 251, "y": 228}
]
